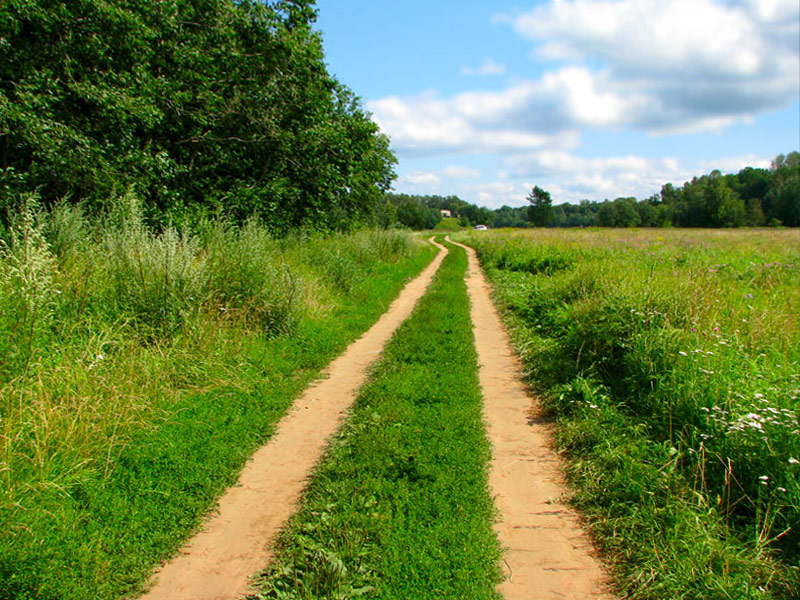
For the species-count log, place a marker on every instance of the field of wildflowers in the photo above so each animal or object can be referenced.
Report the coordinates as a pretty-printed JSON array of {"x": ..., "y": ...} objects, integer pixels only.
[
  {"x": 670, "y": 362},
  {"x": 139, "y": 370}
]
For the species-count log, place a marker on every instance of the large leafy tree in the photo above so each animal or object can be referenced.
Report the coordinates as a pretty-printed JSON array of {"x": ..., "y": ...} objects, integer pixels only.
[
  {"x": 782, "y": 202},
  {"x": 196, "y": 103}
]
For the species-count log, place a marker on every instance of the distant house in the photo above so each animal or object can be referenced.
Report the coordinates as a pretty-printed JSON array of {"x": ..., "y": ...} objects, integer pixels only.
[{"x": 446, "y": 214}]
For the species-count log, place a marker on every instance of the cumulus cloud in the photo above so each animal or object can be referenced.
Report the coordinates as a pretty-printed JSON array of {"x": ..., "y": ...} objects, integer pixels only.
[
  {"x": 495, "y": 194},
  {"x": 694, "y": 63},
  {"x": 596, "y": 178},
  {"x": 468, "y": 122},
  {"x": 661, "y": 66},
  {"x": 459, "y": 172},
  {"x": 487, "y": 67},
  {"x": 433, "y": 181},
  {"x": 640, "y": 36},
  {"x": 420, "y": 178},
  {"x": 734, "y": 164}
]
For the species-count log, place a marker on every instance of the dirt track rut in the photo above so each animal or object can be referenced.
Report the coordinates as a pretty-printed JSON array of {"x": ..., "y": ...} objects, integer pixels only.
[
  {"x": 548, "y": 555},
  {"x": 234, "y": 544}
]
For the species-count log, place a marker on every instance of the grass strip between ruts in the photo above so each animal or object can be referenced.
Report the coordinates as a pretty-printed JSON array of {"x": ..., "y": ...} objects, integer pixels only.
[
  {"x": 103, "y": 541},
  {"x": 400, "y": 506}
]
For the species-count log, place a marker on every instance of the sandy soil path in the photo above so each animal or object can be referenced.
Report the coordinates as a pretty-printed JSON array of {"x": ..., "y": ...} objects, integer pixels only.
[
  {"x": 235, "y": 543},
  {"x": 548, "y": 555}
]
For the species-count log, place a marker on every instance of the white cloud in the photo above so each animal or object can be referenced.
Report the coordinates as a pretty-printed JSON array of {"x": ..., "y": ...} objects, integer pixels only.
[
  {"x": 572, "y": 178},
  {"x": 660, "y": 66},
  {"x": 487, "y": 67},
  {"x": 499, "y": 193},
  {"x": 693, "y": 61},
  {"x": 459, "y": 172},
  {"x": 420, "y": 178},
  {"x": 431, "y": 182},
  {"x": 468, "y": 122},
  {"x": 734, "y": 164},
  {"x": 640, "y": 36},
  {"x": 774, "y": 11}
]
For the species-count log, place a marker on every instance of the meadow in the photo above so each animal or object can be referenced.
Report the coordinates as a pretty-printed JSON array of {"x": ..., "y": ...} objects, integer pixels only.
[
  {"x": 669, "y": 361},
  {"x": 140, "y": 368}
]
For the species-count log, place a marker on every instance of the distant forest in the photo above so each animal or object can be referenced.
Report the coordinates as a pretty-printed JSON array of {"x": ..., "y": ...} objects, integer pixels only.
[{"x": 751, "y": 198}]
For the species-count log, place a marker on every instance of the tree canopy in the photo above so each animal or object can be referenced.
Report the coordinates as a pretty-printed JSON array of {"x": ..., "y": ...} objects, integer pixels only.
[{"x": 194, "y": 104}]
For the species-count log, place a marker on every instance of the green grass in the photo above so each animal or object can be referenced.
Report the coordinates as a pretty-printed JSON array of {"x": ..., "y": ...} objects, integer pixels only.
[
  {"x": 149, "y": 368},
  {"x": 448, "y": 224},
  {"x": 400, "y": 508},
  {"x": 670, "y": 361}
]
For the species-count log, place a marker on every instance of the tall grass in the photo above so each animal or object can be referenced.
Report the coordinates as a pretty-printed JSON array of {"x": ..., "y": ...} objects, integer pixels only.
[
  {"x": 26, "y": 288},
  {"x": 671, "y": 361},
  {"x": 140, "y": 368}
]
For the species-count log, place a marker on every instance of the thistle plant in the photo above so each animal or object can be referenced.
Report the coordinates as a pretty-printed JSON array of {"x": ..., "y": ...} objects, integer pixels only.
[
  {"x": 26, "y": 288},
  {"x": 155, "y": 279}
]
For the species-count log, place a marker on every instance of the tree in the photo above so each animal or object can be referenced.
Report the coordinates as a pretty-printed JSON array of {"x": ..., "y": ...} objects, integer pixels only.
[
  {"x": 413, "y": 211},
  {"x": 219, "y": 103},
  {"x": 625, "y": 213},
  {"x": 782, "y": 202},
  {"x": 606, "y": 216},
  {"x": 540, "y": 211}
]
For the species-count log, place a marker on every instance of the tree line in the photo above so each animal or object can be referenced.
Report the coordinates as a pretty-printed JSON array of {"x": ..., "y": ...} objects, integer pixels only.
[
  {"x": 195, "y": 106},
  {"x": 226, "y": 106},
  {"x": 753, "y": 197},
  {"x": 425, "y": 212}
]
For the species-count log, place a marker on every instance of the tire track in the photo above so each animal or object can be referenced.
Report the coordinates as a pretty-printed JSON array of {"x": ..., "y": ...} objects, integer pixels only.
[
  {"x": 548, "y": 555},
  {"x": 235, "y": 543}
]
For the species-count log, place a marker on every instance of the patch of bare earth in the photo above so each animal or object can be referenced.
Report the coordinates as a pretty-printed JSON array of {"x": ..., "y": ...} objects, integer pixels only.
[
  {"x": 547, "y": 553},
  {"x": 235, "y": 543}
]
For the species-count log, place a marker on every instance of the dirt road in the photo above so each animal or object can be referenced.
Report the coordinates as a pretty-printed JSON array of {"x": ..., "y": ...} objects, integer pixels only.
[
  {"x": 233, "y": 545},
  {"x": 548, "y": 555}
]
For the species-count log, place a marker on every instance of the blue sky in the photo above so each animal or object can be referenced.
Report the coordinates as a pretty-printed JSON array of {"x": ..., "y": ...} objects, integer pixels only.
[{"x": 588, "y": 99}]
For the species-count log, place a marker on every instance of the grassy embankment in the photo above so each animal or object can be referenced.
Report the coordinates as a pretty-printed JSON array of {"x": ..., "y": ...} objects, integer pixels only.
[
  {"x": 449, "y": 224},
  {"x": 671, "y": 363},
  {"x": 399, "y": 508},
  {"x": 139, "y": 371}
]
